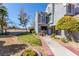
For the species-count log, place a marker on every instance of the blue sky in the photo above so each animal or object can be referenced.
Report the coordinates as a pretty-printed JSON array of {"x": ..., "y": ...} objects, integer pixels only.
[{"x": 30, "y": 8}]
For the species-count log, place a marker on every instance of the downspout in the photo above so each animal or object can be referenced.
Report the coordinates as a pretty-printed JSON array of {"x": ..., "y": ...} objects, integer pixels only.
[{"x": 53, "y": 17}]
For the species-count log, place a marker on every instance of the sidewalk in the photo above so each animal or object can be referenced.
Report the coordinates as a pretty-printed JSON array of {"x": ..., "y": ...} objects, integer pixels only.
[
  {"x": 45, "y": 47},
  {"x": 57, "y": 49}
]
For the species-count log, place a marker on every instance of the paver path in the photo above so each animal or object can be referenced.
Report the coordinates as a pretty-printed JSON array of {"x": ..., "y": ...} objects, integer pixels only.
[{"x": 57, "y": 49}]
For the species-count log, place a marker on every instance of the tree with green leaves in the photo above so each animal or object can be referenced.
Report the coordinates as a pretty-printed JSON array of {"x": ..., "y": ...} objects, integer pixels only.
[
  {"x": 69, "y": 24},
  {"x": 23, "y": 17},
  {"x": 3, "y": 17}
]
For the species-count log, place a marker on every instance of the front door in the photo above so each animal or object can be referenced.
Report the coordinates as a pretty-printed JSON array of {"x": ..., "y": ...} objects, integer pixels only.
[{"x": 44, "y": 28}]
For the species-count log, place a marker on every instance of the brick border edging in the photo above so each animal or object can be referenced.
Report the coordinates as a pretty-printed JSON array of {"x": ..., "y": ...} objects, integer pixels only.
[
  {"x": 45, "y": 47},
  {"x": 72, "y": 49}
]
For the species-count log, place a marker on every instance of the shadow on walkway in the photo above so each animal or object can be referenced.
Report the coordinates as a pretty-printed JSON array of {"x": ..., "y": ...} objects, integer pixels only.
[{"x": 7, "y": 50}]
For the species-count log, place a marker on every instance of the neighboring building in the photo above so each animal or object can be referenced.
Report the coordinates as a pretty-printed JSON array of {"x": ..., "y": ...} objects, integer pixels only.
[{"x": 54, "y": 12}]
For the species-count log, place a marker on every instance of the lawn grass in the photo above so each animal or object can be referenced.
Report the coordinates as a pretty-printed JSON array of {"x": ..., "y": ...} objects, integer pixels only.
[{"x": 30, "y": 38}]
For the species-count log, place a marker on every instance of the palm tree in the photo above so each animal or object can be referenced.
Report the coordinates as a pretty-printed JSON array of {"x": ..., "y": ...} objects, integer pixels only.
[{"x": 3, "y": 15}]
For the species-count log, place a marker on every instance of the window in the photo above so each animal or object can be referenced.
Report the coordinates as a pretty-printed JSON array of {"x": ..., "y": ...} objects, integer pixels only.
[
  {"x": 69, "y": 8},
  {"x": 49, "y": 8}
]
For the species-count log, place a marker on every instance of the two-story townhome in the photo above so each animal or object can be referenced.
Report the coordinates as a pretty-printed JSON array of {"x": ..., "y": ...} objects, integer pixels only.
[
  {"x": 54, "y": 12},
  {"x": 57, "y": 11}
]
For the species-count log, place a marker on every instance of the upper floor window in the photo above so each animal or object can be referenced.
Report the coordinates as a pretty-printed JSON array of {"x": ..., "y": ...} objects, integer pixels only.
[
  {"x": 69, "y": 8},
  {"x": 48, "y": 8}
]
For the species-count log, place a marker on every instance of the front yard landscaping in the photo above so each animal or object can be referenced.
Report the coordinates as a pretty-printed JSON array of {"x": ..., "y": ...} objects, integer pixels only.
[
  {"x": 33, "y": 41},
  {"x": 29, "y": 52},
  {"x": 22, "y": 44},
  {"x": 30, "y": 38}
]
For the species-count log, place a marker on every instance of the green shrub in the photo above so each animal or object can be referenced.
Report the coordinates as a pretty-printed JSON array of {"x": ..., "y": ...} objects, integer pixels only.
[
  {"x": 53, "y": 35},
  {"x": 33, "y": 31},
  {"x": 64, "y": 40},
  {"x": 68, "y": 23},
  {"x": 29, "y": 52}
]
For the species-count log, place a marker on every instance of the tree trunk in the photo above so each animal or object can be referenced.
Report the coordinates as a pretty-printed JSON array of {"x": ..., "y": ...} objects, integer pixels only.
[
  {"x": 2, "y": 30},
  {"x": 25, "y": 28},
  {"x": 70, "y": 36},
  {"x": 5, "y": 31}
]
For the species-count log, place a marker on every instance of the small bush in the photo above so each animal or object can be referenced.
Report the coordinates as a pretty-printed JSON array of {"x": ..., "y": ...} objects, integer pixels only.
[
  {"x": 33, "y": 31},
  {"x": 29, "y": 52},
  {"x": 53, "y": 35},
  {"x": 64, "y": 40}
]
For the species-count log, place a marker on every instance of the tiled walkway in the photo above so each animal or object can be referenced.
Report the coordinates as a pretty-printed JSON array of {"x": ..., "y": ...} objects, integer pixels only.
[{"x": 57, "y": 49}]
